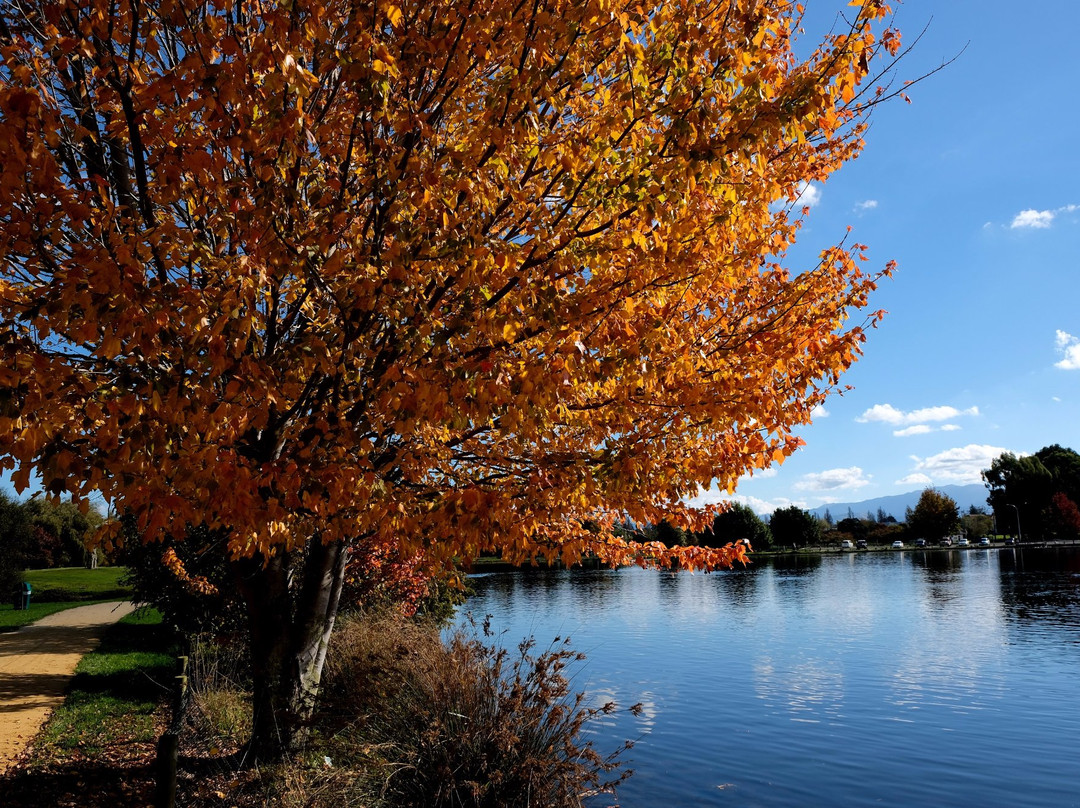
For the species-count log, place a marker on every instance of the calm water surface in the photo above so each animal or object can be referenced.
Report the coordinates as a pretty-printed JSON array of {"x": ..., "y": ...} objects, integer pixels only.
[{"x": 946, "y": 678}]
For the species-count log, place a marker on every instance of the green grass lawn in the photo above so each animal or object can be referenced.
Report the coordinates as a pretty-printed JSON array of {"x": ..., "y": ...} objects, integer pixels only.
[
  {"x": 116, "y": 691},
  {"x": 77, "y": 583}
]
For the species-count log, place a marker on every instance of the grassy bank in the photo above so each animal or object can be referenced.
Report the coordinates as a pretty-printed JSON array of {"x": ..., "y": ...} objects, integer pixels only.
[
  {"x": 116, "y": 690},
  {"x": 59, "y": 589},
  {"x": 12, "y": 619},
  {"x": 77, "y": 583}
]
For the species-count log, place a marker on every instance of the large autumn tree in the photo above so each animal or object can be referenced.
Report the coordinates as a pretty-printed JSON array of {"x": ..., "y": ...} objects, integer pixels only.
[{"x": 426, "y": 275}]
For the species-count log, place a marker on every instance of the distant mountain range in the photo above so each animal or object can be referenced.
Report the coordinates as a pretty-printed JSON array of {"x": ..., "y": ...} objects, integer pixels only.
[{"x": 897, "y": 504}]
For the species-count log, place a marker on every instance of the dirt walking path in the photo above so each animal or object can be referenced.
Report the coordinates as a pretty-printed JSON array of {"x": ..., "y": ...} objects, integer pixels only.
[{"x": 36, "y": 664}]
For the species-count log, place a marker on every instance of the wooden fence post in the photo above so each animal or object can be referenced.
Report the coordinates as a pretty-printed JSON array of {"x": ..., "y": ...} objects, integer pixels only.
[{"x": 168, "y": 746}]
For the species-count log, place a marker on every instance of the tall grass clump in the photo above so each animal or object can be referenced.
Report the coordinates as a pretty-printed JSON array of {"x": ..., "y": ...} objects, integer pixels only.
[
  {"x": 457, "y": 723},
  {"x": 219, "y": 709}
]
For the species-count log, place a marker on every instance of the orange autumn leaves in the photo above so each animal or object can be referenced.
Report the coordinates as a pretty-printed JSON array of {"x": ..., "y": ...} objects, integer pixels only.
[{"x": 418, "y": 275}]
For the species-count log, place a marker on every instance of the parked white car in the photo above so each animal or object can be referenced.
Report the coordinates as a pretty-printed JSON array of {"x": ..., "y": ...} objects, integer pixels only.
[
  {"x": 898, "y": 545},
  {"x": 984, "y": 542},
  {"x": 962, "y": 543}
]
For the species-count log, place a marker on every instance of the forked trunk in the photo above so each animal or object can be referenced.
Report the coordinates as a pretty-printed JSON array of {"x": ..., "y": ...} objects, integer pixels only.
[{"x": 292, "y": 602}]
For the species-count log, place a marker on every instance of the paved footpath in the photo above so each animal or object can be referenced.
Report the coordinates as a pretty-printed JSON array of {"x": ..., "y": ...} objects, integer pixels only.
[{"x": 36, "y": 665}]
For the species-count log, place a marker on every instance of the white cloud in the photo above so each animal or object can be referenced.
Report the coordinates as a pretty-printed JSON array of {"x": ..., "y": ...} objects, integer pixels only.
[
  {"x": 1039, "y": 219},
  {"x": 961, "y": 465},
  {"x": 809, "y": 195},
  {"x": 1069, "y": 346},
  {"x": 950, "y": 427},
  {"x": 833, "y": 479},
  {"x": 868, "y": 204},
  {"x": 708, "y": 496},
  {"x": 918, "y": 429},
  {"x": 915, "y": 479},
  {"x": 888, "y": 414},
  {"x": 1056, "y": 398},
  {"x": 762, "y": 506},
  {"x": 819, "y": 412}
]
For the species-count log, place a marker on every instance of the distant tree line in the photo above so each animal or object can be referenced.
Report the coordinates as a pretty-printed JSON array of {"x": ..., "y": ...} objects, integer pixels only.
[
  {"x": 936, "y": 515},
  {"x": 1037, "y": 495},
  {"x": 738, "y": 522},
  {"x": 36, "y": 534}
]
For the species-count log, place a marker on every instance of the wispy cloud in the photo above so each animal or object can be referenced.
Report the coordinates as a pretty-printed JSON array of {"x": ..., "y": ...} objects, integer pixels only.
[
  {"x": 924, "y": 429},
  {"x": 888, "y": 414},
  {"x": 963, "y": 464},
  {"x": 833, "y": 479},
  {"x": 1069, "y": 347},
  {"x": 819, "y": 412},
  {"x": 866, "y": 204},
  {"x": 917, "y": 429},
  {"x": 915, "y": 479},
  {"x": 1039, "y": 219}
]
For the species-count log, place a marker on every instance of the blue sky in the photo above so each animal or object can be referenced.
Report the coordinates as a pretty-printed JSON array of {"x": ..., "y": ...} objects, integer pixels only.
[{"x": 973, "y": 189}]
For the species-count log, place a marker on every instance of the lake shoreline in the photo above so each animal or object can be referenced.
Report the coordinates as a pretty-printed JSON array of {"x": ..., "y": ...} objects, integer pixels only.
[{"x": 488, "y": 564}]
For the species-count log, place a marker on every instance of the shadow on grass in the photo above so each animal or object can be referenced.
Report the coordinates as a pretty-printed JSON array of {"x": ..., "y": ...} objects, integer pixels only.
[{"x": 85, "y": 783}]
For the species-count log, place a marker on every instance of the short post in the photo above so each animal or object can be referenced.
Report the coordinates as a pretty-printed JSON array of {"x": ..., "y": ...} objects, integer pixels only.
[{"x": 168, "y": 746}]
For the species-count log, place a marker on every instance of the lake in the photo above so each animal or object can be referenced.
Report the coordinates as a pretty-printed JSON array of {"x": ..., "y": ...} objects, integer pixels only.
[{"x": 941, "y": 677}]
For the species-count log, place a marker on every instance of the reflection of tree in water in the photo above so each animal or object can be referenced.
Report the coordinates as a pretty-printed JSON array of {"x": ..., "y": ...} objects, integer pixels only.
[
  {"x": 941, "y": 571},
  {"x": 796, "y": 564},
  {"x": 1042, "y": 586},
  {"x": 542, "y": 589},
  {"x": 738, "y": 587},
  {"x": 937, "y": 562},
  {"x": 795, "y": 577}
]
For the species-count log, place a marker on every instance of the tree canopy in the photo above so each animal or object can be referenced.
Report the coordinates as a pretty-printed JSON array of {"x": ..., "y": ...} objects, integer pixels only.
[
  {"x": 794, "y": 526},
  {"x": 738, "y": 523},
  {"x": 430, "y": 276},
  {"x": 935, "y": 515},
  {"x": 1040, "y": 490}
]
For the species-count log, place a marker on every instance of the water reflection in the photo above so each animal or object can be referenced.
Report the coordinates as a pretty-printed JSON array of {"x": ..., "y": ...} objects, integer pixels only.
[
  {"x": 739, "y": 588},
  {"x": 1041, "y": 587},
  {"x": 893, "y": 663}
]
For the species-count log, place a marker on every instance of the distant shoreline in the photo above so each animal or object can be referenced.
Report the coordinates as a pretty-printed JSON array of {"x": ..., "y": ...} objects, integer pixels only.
[{"x": 487, "y": 564}]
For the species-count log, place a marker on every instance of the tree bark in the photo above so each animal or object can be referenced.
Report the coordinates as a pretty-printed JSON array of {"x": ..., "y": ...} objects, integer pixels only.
[{"x": 292, "y": 602}]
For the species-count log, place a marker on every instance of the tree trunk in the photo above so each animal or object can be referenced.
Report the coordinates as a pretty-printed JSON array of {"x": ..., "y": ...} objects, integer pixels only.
[{"x": 292, "y": 602}]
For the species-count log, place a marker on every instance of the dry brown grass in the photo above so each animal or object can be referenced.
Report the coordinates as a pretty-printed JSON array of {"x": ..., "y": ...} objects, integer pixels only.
[
  {"x": 461, "y": 722},
  {"x": 410, "y": 720}
]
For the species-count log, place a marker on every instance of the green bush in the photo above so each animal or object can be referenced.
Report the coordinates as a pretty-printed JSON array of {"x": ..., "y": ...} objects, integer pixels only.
[
  {"x": 14, "y": 535},
  {"x": 185, "y": 607}
]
